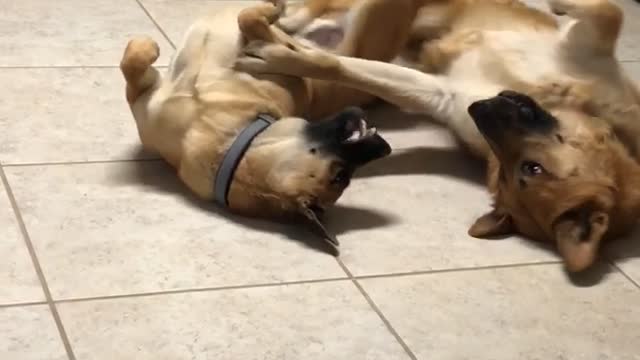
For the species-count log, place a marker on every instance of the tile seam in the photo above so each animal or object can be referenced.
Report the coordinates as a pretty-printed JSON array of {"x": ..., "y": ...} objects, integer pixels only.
[{"x": 38, "y": 268}]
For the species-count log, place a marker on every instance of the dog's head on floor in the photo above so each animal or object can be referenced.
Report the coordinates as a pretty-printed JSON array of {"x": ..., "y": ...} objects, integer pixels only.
[
  {"x": 298, "y": 167},
  {"x": 558, "y": 175}
]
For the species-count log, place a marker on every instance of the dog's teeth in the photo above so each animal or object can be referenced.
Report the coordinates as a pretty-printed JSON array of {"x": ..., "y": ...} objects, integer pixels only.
[
  {"x": 363, "y": 127},
  {"x": 354, "y": 136}
]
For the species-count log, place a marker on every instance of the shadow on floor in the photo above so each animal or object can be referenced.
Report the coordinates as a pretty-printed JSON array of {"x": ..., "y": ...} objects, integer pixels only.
[
  {"x": 160, "y": 177},
  {"x": 387, "y": 117},
  {"x": 449, "y": 162},
  {"x": 624, "y": 249}
]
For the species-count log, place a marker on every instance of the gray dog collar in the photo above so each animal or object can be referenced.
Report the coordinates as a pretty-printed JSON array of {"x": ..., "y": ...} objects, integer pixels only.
[{"x": 232, "y": 158}]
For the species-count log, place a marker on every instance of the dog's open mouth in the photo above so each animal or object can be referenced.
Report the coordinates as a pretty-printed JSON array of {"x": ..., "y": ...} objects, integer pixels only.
[{"x": 361, "y": 133}]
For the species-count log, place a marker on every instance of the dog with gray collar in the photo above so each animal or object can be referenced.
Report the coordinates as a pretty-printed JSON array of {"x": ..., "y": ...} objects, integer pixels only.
[{"x": 245, "y": 141}]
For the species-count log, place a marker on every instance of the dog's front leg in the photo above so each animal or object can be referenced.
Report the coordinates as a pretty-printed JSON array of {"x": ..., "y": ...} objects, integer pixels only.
[
  {"x": 406, "y": 88},
  {"x": 597, "y": 25}
]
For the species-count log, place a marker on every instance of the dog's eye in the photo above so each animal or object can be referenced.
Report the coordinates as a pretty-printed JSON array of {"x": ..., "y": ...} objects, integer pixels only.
[
  {"x": 343, "y": 176},
  {"x": 530, "y": 168}
]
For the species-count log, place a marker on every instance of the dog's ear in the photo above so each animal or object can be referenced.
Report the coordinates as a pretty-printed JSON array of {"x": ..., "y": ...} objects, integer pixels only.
[
  {"x": 578, "y": 234},
  {"x": 491, "y": 224}
]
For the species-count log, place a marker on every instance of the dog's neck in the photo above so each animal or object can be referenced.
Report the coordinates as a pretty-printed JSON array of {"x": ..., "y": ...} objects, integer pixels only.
[{"x": 255, "y": 180}]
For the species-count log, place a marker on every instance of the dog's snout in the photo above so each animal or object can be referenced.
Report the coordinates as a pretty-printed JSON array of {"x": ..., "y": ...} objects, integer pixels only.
[
  {"x": 353, "y": 112},
  {"x": 479, "y": 109},
  {"x": 509, "y": 94}
]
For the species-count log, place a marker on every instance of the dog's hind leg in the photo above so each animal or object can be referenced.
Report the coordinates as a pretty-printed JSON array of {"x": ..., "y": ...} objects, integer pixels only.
[
  {"x": 136, "y": 67},
  {"x": 597, "y": 26}
]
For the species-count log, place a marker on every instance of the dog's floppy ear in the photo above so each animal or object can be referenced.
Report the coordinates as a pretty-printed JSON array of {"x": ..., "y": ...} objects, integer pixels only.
[
  {"x": 491, "y": 224},
  {"x": 312, "y": 215},
  {"x": 578, "y": 234}
]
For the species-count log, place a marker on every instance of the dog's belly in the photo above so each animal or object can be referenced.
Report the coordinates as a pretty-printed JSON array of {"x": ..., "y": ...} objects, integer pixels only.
[
  {"x": 202, "y": 93},
  {"x": 506, "y": 58},
  {"x": 210, "y": 44}
]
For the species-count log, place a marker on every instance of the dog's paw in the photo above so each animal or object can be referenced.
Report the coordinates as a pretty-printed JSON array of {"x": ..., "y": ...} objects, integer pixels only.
[
  {"x": 286, "y": 59},
  {"x": 265, "y": 57},
  {"x": 141, "y": 52},
  {"x": 292, "y": 23},
  {"x": 281, "y": 8}
]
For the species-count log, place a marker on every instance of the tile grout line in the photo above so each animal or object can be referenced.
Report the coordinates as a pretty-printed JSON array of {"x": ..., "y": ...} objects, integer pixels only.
[
  {"x": 299, "y": 282},
  {"x": 32, "y": 303},
  {"x": 63, "y": 163},
  {"x": 37, "y": 67},
  {"x": 155, "y": 23},
  {"x": 377, "y": 310},
  {"x": 27, "y": 67},
  {"x": 37, "y": 267},
  {"x": 615, "y": 266},
  {"x": 455, "y": 270},
  {"x": 197, "y": 290}
]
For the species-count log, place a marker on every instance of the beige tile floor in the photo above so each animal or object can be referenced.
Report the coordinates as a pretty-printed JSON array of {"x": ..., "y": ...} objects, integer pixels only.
[{"x": 107, "y": 257}]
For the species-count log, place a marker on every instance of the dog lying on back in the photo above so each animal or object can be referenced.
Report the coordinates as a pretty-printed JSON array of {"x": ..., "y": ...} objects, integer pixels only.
[
  {"x": 193, "y": 115},
  {"x": 549, "y": 107}
]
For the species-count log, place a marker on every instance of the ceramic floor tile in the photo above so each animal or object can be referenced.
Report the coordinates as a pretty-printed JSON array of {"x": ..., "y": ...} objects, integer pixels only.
[
  {"x": 29, "y": 333},
  {"x": 631, "y": 266},
  {"x": 175, "y": 17},
  {"x": 633, "y": 69},
  {"x": 18, "y": 280},
  {"x": 629, "y": 43},
  {"x": 105, "y": 229},
  {"x": 69, "y": 115},
  {"x": 626, "y": 253},
  {"x": 318, "y": 321},
  {"x": 70, "y": 32},
  {"x": 519, "y": 313},
  {"x": 411, "y": 212}
]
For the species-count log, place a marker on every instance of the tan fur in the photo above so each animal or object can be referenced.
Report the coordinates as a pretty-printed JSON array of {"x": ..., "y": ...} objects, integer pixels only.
[
  {"x": 473, "y": 50},
  {"x": 192, "y": 115}
]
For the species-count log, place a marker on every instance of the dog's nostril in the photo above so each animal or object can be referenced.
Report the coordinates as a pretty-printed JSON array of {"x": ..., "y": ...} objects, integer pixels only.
[
  {"x": 527, "y": 113},
  {"x": 478, "y": 108}
]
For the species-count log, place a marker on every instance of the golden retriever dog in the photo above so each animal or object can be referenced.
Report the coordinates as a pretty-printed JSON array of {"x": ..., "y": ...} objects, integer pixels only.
[
  {"x": 286, "y": 166},
  {"x": 548, "y": 106}
]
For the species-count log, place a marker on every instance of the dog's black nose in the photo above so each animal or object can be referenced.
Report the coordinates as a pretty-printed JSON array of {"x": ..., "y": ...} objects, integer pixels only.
[{"x": 479, "y": 109}]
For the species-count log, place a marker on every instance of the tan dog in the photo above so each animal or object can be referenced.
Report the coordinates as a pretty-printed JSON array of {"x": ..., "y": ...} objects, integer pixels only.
[
  {"x": 562, "y": 144},
  {"x": 193, "y": 115}
]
